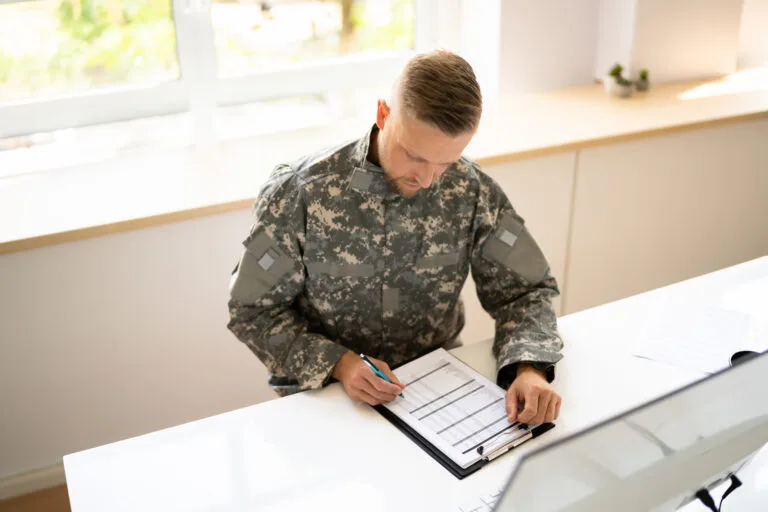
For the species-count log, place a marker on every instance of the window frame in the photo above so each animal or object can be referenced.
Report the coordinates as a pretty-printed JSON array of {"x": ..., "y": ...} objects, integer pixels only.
[{"x": 199, "y": 91}]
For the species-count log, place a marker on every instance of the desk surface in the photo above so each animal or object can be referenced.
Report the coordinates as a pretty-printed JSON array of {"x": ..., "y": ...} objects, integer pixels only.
[{"x": 316, "y": 450}]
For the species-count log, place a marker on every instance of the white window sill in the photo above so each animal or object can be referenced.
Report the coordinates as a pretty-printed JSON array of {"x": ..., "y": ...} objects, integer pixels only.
[{"x": 151, "y": 186}]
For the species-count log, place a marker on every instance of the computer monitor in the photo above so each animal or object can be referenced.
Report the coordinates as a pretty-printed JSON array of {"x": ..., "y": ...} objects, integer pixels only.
[{"x": 654, "y": 457}]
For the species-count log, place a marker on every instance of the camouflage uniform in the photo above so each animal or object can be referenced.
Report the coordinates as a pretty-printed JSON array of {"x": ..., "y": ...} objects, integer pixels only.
[{"x": 337, "y": 260}]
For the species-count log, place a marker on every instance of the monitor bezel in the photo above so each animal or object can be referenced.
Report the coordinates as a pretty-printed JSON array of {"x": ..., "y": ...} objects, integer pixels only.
[{"x": 719, "y": 479}]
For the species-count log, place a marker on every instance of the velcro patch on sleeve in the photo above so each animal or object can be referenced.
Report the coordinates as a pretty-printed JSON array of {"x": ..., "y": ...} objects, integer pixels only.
[
  {"x": 513, "y": 247},
  {"x": 262, "y": 265}
]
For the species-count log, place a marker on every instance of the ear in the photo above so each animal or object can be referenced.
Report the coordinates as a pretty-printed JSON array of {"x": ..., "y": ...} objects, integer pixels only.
[{"x": 382, "y": 114}]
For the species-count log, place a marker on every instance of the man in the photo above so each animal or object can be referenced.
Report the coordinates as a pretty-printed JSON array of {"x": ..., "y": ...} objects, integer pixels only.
[{"x": 364, "y": 248}]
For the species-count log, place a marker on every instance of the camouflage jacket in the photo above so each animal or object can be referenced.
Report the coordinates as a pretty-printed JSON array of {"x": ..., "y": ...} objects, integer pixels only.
[{"x": 337, "y": 260}]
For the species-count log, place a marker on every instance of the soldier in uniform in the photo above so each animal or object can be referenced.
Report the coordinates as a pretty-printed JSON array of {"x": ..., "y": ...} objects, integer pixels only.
[{"x": 365, "y": 247}]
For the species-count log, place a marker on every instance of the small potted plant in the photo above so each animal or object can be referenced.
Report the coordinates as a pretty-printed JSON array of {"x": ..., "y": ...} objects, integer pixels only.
[
  {"x": 617, "y": 85},
  {"x": 642, "y": 84}
]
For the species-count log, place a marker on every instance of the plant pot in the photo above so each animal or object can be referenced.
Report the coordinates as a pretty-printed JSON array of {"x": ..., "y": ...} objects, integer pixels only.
[
  {"x": 615, "y": 89},
  {"x": 642, "y": 85}
]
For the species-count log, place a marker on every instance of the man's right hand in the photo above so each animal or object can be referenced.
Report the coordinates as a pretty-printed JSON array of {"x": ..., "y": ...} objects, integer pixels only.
[{"x": 361, "y": 384}]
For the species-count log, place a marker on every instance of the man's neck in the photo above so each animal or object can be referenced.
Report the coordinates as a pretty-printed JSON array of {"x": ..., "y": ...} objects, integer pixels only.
[
  {"x": 373, "y": 147},
  {"x": 373, "y": 157}
]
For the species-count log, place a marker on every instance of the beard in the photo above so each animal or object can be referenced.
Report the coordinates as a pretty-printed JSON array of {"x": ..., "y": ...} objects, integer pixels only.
[
  {"x": 401, "y": 185},
  {"x": 397, "y": 185}
]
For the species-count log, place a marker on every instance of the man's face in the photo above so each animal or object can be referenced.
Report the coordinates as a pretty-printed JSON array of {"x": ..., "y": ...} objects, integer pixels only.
[{"x": 412, "y": 153}]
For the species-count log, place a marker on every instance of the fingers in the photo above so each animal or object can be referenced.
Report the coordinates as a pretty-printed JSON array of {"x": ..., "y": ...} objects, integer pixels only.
[
  {"x": 366, "y": 397},
  {"x": 364, "y": 385},
  {"x": 380, "y": 385},
  {"x": 384, "y": 367},
  {"x": 545, "y": 399},
  {"x": 362, "y": 391},
  {"x": 541, "y": 406},
  {"x": 552, "y": 410},
  {"x": 528, "y": 415},
  {"x": 512, "y": 404}
]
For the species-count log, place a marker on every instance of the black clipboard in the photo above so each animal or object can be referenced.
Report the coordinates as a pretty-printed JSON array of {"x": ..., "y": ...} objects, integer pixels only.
[{"x": 445, "y": 461}]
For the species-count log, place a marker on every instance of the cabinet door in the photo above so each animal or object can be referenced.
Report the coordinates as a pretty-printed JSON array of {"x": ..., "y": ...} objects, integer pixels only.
[{"x": 655, "y": 211}]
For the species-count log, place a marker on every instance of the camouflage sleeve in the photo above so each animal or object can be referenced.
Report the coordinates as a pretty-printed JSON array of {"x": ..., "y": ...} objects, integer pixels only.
[
  {"x": 265, "y": 285},
  {"x": 514, "y": 284}
]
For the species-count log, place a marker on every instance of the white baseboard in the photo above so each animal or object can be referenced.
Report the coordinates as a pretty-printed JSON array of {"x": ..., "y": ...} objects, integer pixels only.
[{"x": 35, "y": 480}]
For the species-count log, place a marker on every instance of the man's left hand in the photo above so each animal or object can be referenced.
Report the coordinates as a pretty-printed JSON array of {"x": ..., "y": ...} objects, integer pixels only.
[{"x": 541, "y": 403}]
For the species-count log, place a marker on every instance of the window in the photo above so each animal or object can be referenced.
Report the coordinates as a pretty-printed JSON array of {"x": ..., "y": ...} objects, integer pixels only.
[
  {"x": 54, "y": 47},
  {"x": 72, "y": 63},
  {"x": 263, "y": 35},
  {"x": 66, "y": 63}
]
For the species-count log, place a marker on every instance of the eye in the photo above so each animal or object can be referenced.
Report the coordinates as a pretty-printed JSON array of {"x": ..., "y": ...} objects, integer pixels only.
[{"x": 412, "y": 157}]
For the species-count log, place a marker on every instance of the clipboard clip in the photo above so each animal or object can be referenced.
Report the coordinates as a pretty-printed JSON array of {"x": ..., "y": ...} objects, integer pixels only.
[{"x": 501, "y": 450}]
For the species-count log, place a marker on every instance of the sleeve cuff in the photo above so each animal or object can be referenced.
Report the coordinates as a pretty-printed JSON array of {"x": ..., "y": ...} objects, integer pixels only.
[
  {"x": 312, "y": 361},
  {"x": 508, "y": 373}
]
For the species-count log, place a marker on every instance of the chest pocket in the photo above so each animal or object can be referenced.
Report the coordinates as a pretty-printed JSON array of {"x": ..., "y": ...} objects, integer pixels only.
[
  {"x": 438, "y": 260},
  {"x": 440, "y": 276},
  {"x": 336, "y": 270},
  {"x": 345, "y": 297},
  {"x": 331, "y": 285}
]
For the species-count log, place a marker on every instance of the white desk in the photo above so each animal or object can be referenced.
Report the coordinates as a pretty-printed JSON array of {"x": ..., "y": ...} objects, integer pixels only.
[{"x": 320, "y": 451}]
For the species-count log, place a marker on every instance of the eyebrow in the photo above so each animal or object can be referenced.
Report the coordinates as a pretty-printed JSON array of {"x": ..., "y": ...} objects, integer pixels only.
[{"x": 422, "y": 159}]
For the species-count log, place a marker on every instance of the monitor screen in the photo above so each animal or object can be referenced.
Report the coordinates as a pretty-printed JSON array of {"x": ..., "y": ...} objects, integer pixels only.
[{"x": 654, "y": 457}]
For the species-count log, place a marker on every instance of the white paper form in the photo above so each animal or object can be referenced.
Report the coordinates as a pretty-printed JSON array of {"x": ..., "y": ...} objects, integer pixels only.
[
  {"x": 453, "y": 407},
  {"x": 703, "y": 336},
  {"x": 700, "y": 338}
]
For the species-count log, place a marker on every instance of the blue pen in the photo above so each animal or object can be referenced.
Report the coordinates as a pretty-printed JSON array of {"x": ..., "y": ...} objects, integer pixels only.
[{"x": 376, "y": 370}]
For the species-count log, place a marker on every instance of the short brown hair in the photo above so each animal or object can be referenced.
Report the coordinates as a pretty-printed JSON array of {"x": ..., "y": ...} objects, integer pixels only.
[{"x": 440, "y": 88}]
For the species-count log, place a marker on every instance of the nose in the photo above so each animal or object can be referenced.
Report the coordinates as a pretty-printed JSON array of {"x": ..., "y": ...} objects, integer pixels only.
[{"x": 424, "y": 177}]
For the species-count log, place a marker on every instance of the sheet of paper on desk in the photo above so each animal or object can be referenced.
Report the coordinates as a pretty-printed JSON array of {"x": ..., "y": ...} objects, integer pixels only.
[
  {"x": 750, "y": 298},
  {"x": 453, "y": 407},
  {"x": 700, "y": 337}
]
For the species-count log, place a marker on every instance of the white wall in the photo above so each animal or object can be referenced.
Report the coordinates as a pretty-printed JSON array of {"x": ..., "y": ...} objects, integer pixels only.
[
  {"x": 615, "y": 33},
  {"x": 673, "y": 39},
  {"x": 547, "y": 44},
  {"x": 753, "y": 38},
  {"x": 520, "y": 46},
  {"x": 479, "y": 38},
  {"x": 686, "y": 39}
]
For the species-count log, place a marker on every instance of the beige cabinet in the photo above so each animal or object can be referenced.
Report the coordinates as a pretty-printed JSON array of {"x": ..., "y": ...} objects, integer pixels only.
[{"x": 655, "y": 211}]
